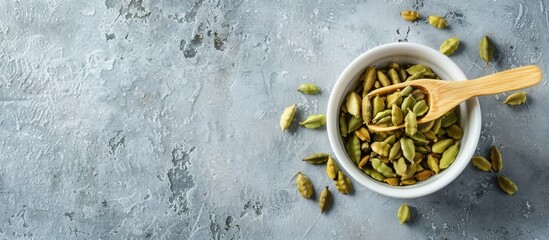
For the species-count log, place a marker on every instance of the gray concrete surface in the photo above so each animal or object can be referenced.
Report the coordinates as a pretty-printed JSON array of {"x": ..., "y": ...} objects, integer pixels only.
[{"x": 142, "y": 119}]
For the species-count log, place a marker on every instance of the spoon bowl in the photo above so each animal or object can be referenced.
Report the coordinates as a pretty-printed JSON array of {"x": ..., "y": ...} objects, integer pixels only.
[{"x": 442, "y": 96}]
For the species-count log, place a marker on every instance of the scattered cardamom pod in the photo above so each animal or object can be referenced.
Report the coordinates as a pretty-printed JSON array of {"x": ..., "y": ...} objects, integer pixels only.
[
  {"x": 481, "y": 163},
  {"x": 495, "y": 157},
  {"x": 449, "y": 46},
  {"x": 314, "y": 121},
  {"x": 308, "y": 88},
  {"x": 409, "y": 15},
  {"x": 287, "y": 117},
  {"x": 404, "y": 213},
  {"x": 437, "y": 21},
  {"x": 507, "y": 185},
  {"x": 486, "y": 49},
  {"x": 325, "y": 200},
  {"x": 343, "y": 184},
  {"x": 516, "y": 99},
  {"x": 317, "y": 158},
  {"x": 331, "y": 168},
  {"x": 304, "y": 185}
]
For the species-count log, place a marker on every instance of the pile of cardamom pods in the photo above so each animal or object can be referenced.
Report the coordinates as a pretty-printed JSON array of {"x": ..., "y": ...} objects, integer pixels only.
[{"x": 404, "y": 156}]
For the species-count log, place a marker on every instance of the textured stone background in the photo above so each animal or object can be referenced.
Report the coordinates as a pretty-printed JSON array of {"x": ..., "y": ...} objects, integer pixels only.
[{"x": 136, "y": 119}]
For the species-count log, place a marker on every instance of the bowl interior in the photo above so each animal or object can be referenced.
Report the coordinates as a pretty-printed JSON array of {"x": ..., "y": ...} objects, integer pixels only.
[{"x": 404, "y": 53}]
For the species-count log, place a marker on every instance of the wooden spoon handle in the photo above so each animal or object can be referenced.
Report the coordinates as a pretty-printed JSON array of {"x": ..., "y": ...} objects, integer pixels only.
[{"x": 514, "y": 79}]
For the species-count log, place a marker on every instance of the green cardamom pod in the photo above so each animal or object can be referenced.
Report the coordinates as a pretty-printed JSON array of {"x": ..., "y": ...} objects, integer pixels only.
[
  {"x": 382, "y": 167},
  {"x": 381, "y": 148},
  {"x": 331, "y": 168},
  {"x": 366, "y": 109},
  {"x": 378, "y": 104},
  {"x": 393, "y": 75},
  {"x": 394, "y": 66},
  {"x": 317, "y": 158},
  {"x": 403, "y": 75},
  {"x": 343, "y": 184},
  {"x": 394, "y": 99},
  {"x": 308, "y": 88},
  {"x": 325, "y": 200},
  {"x": 449, "y": 156},
  {"x": 418, "y": 94},
  {"x": 408, "y": 148},
  {"x": 343, "y": 128},
  {"x": 354, "y": 124},
  {"x": 374, "y": 174},
  {"x": 314, "y": 121},
  {"x": 391, "y": 139},
  {"x": 377, "y": 85},
  {"x": 396, "y": 115},
  {"x": 449, "y": 46},
  {"x": 410, "y": 123},
  {"x": 287, "y": 117},
  {"x": 353, "y": 148},
  {"x": 423, "y": 149},
  {"x": 416, "y": 76},
  {"x": 400, "y": 166},
  {"x": 407, "y": 103},
  {"x": 412, "y": 169},
  {"x": 433, "y": 163},
  {"x": 369, "y": 78},
  {"x": 424, "y": 127},
  {"x": 420, "y": 108},
  {"x": 437, "y": 21},
  {"x": 395, "y": 152},
  {"x": 419, "y": 139},
  {"x": 454, "y": 132},
  {"x": 409, "y": 15},
  {"x": 304, "y": 185},
  {"x": 507, "y": 185},
  {"x": 430, "y": 136},
  {"x": 436, "y": 125},
  {"x": 486, "y": 49},
  {"x": 497, "y": 160},
  {"x": 353, "y": 104},
  {"x": 381, "y": 115},
  {"x": 449, "y": 120},
  {"x": 419, "y": 68},
  {"x": 516, "y": 99},
  {"x": 406, "y": 91},
  {"x": 441, "y": 145},
  {"x": 481, "y": 163},
  {"x": 383, "y": 79}
]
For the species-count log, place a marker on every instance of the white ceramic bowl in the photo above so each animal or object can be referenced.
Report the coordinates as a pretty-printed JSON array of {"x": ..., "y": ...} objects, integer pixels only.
[{"x": 469, "y": 115}]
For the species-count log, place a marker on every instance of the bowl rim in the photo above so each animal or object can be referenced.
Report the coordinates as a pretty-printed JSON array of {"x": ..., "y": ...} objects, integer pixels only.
[{"x": 467, "y": 148}]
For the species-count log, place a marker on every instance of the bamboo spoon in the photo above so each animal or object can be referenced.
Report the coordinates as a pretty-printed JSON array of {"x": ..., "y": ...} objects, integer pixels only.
[{"x": 445, "y": 95}]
